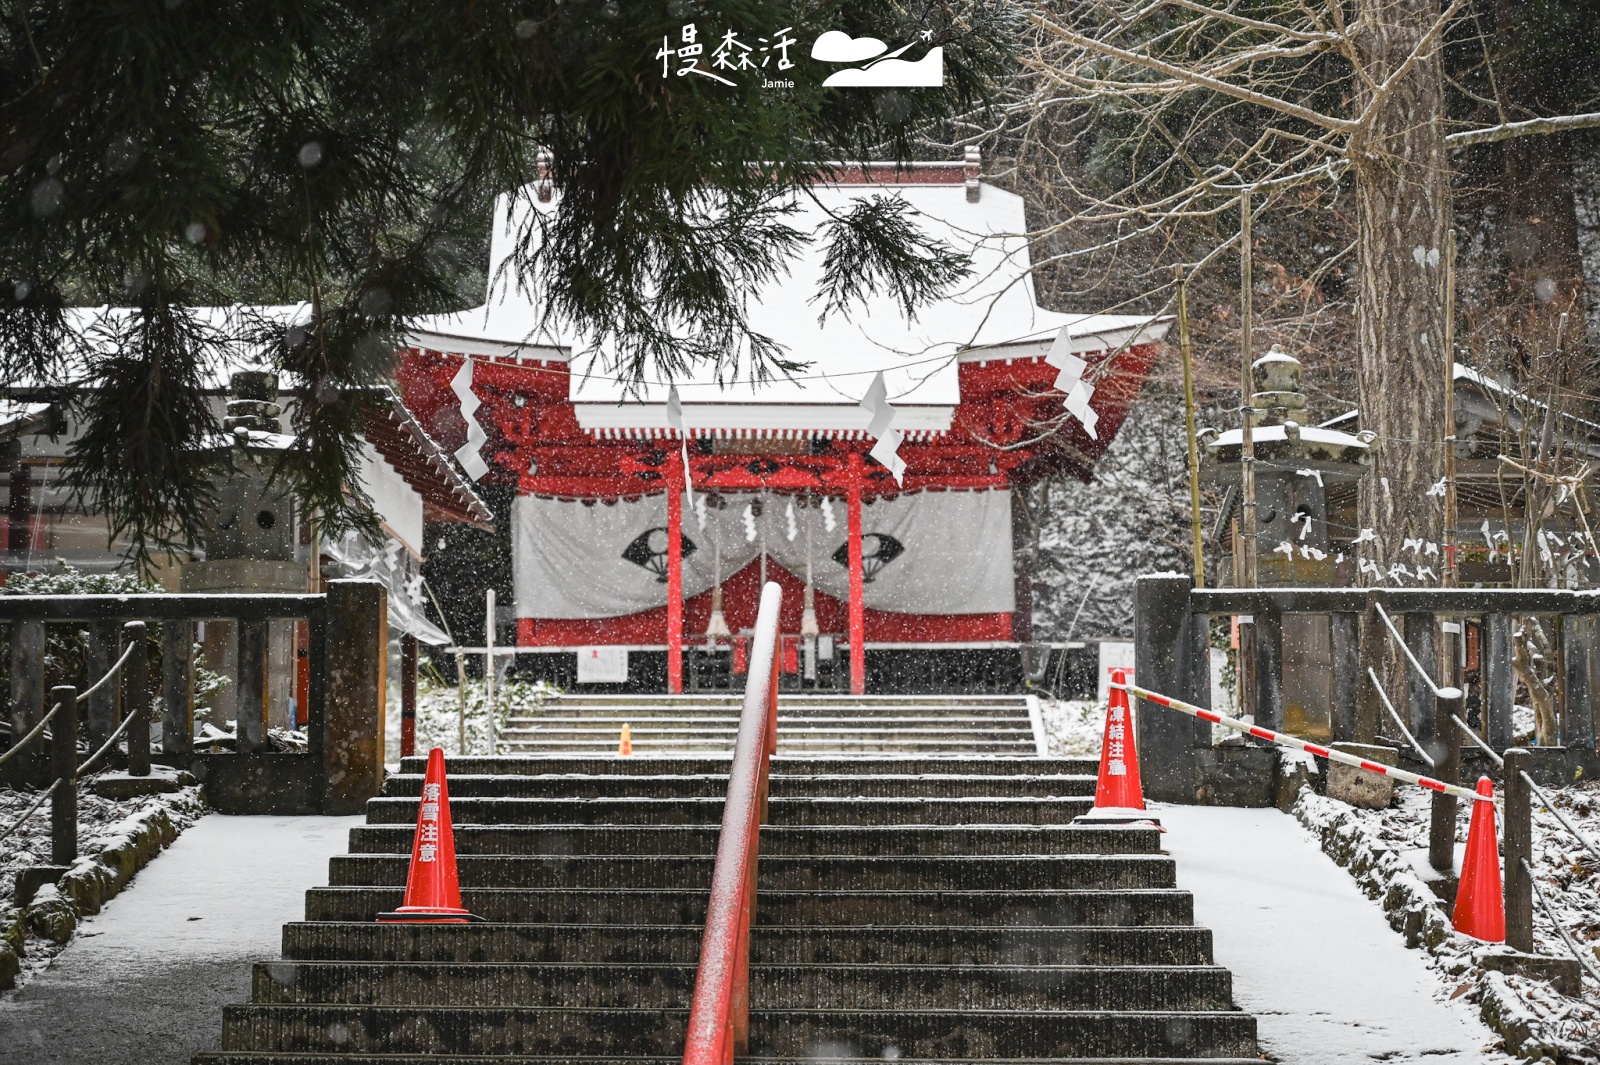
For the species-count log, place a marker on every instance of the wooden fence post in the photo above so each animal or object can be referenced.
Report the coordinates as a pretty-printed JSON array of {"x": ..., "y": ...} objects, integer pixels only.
[
  {"x": 1518, "y": 848},
  {"x": 64, "y": 767},
  {"x": 1442, "y": 823},
  {"x": 353, "y": 714}
]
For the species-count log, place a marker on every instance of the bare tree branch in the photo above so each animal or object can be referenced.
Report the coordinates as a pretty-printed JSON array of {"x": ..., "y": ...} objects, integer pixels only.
[
  {"x": 1531, "y": 127},
  {"x": 1196, "y": 79}
]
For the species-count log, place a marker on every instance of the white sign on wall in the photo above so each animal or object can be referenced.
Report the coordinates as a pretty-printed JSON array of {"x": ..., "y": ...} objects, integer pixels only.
[
  {"x": 1114, "y": 654},
  {"x": 602, "y": 665}
]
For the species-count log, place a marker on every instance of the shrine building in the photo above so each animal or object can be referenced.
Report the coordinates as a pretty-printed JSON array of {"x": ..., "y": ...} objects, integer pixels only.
[{"x": 624, "y": 577}]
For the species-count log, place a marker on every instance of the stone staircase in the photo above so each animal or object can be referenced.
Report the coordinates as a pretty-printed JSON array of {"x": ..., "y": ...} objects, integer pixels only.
[
  {"x": 813, "y": 725},
  {"x": 911, "y": 909}
]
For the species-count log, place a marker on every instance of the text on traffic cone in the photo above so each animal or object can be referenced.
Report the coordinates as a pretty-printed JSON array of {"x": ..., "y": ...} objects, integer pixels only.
[
  {"x": 1480, "y": 905},
  {"x": 433, "y": 892},
  {"x": 1119, "y": 786},
  {"x": 625, "y": 744}
]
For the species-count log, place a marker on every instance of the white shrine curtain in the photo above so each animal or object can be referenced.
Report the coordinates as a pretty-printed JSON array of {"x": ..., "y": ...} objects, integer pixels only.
[{"x": 575, "y": 559}]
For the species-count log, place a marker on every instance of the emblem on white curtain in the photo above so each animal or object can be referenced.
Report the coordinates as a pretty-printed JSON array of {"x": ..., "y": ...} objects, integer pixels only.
[
  {"x": 469, "y": 453},
  {"x": 886, "y": 449},
  {"x": 877, "y": 551},
  {"x": 649, "y": 551},
  {"x": 1070, "y": 381}
]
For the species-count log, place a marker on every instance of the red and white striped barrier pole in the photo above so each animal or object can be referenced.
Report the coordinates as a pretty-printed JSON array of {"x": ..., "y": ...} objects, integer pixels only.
[{"x": 1300, "y": 744}]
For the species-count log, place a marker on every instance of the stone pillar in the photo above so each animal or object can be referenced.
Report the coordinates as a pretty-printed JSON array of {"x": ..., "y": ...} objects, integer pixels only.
[
  {"x": 251, "y": 687},
  {"x": 1499, "y": 680},
  {"x": 177, "y": 686},
  {"x": 32, "y": 766},
  {"x": 1344, "y": 630},
  {"x": 353, "y": 712},
  {"x": 102, "y": 712},
  {"x": 1169, "y": 656},
  {"x": 1421, "y": 714},
  {"x": 1577, "y": 707},
  {"x": 1269, "y": 670}
]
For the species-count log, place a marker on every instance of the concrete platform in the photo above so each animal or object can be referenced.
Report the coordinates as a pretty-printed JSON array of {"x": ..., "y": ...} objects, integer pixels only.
[
  {"x": 145, "y": 981},
  {"x": 1312, "y": 957}
]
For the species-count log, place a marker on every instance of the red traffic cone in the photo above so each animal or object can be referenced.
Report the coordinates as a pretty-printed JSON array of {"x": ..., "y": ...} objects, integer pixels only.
[
  {"x": 625, "y": 742},
  {"x": 1118, "y": 794},
  {"x": 1480, "y": 904},
  {"x": 433, "y": 894}
]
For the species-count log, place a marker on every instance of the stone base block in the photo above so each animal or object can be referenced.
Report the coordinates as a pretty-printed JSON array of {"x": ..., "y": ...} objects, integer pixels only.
[
  {"x": 161, "y": 781},
  {"x": 1357, "y": 787},
  {"x": 1236, "y": 775},
  {"x": 1440, "y": 883},
  {"x": 1296, "y": 770},
  {"x": 34, "y": 877},
  {"x": 1563, "y": 974}
]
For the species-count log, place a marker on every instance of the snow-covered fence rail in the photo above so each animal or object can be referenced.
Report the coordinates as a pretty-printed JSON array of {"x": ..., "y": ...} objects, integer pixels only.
[
  {"x": 1171, "y": 637},
  {"x": 339, "y": 680},
  {"x": 1283, "y": 739},
  {"x": 63, "y": 749}
]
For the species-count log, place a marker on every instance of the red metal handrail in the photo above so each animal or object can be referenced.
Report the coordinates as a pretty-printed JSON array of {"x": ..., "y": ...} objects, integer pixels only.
[{"x": 719, "y": 1019}]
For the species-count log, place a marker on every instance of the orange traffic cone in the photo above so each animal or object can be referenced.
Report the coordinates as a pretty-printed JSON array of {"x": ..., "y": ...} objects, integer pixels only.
[
  {"x": 1480, "y": 905},
  {"x": 625, "y": 744},
  {"x": 433, "y": 893},
  {"x": 1118, "y": 794}
]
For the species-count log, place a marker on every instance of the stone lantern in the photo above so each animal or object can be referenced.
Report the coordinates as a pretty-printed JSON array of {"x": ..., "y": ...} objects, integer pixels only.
[
  {"x": 1296, "y": 466},
  {"x": 248, "y": 545}
]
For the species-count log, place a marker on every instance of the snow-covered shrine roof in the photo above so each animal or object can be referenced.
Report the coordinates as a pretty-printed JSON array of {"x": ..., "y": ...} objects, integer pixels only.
[{"x": 991, "y": 315}]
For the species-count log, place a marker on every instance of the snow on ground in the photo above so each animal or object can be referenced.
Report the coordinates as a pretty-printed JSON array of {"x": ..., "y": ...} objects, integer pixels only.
[
  {"x": 30, "y": 844},
  {"x": 1314, "y": 959},
  {"x": 144, "y": 982},
  {"x": 439, "y": 716},
  {"x": 1072, "y": 728},
  {"x": 1568, "y": 875}
]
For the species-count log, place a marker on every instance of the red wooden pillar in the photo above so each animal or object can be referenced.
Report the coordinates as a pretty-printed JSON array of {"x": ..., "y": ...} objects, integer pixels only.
[
  {"x": 674, "y": 580},
  {"x": 408, "y": 695},
  {"x": 858, "y": 609}
]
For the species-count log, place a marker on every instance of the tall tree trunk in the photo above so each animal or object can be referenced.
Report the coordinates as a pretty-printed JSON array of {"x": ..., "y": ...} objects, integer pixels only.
[
  {"x": 1403, "y": 211},
  {"x": 1403, "y": 199}
]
